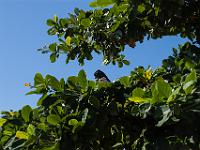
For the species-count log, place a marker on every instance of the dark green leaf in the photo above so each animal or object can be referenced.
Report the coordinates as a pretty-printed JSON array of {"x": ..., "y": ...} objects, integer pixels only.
[
  {"x": 82, "y": 79},
  {"x": 53, "y": 57},
  {"x": 50, "y": 22},
  {"x": 52, "y": 47},
  {"x": 38, "y": 80},
  {"x": 126, "y": 62},
  {"x": 53, "y": 83}
]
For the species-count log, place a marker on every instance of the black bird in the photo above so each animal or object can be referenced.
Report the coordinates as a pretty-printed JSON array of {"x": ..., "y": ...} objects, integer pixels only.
[{"x": 101, "y": 76}]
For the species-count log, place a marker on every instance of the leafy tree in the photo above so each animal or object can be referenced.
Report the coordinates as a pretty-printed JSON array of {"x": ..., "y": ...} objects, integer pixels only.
[{"x": 149, "y": 109}]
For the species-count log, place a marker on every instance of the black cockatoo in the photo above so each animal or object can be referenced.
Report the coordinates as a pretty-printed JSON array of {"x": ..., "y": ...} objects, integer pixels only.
[{"x": 101, "y": 76}]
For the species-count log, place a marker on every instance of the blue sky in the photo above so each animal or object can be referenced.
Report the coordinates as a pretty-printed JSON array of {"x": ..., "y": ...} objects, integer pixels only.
[{"x": 23, "y": 31}]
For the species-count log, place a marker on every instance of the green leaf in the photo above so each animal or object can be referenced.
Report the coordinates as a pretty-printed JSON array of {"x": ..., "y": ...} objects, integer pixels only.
[
  {"x": 52, "y": 47},
  {"x": 91, "y": 84},
  {"x": 190, "y": 80},
  {"x": 115, "y": 26},
  {"x": 21, "y": 135},
  {"x": 141, "y": 8},
  {"x": 50, "y": 22},
  {"x": 55, "y": 18},
  {"x": 160, "y": 90},
  {"x": 63, "y": 22},
  {"x": 42, "y": 126},
  {"x": 38, "y": 80},
  {"x": 120, "y": 64},
  {"x": 72, "y": 82},
  {"x": 126, "y": 62},
  {"x": 174, "y": 95},
  {"x": 53, "y": 83},
  {"x": 101, "y": 3},
  {"x": 140, "y": 99},
  {"x": 82, "y": 79},
  {"x": 42, "y": 98},
  {"x": 2, "y": 121},
  {"x": 85, "y": 115},
  {"x": 166, "y": 114},
  {"x": 53, "y": 57},
  {"x": 31, "y": 130},
  {"x": 125, "y": 81},
  {"x": 138, "y": 92},
  {"x": 25, "y": 112},
  {"x": 76, "y": 11},
  {"x": 68, "y": 40},
  {"x": 157, "y": 9},
  {"x": 53, "y": 119},
  {"x": 85, "y": 22},
  {"x": 73, "y": 122}
]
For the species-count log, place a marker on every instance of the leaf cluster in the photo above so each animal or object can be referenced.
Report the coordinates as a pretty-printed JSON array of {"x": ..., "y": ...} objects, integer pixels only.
[
  {"x": 107, "y": 30},
  {"x": 149, "y": 109}
]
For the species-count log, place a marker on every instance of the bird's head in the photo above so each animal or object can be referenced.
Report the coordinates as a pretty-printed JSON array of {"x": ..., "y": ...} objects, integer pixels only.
[{"x": 100, "y": 75}]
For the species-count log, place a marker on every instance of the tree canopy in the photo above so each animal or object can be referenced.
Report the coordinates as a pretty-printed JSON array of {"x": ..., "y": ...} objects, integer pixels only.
[
  {"x": 127, "y": 22},
  {"x": 148, "y": 109}
]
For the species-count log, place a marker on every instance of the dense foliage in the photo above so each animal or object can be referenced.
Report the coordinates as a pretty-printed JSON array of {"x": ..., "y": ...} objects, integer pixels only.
[
  {"x": 149, "y": 109},
  {"x": 107, "y": 31}
]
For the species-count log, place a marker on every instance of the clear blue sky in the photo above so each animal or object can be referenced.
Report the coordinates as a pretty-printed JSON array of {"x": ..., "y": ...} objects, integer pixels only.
[{"x": 23, "y": 31}]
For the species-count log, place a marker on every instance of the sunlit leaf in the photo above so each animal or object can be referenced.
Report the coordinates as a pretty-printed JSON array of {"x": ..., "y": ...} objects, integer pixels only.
[
  {"x": 68, "y": 40},
  {"x": 139, "y": 99},
  {"x": 101, "y": 3},
  {"x": 2, "y": 121},
  {"x": 21, "y": 135}
]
